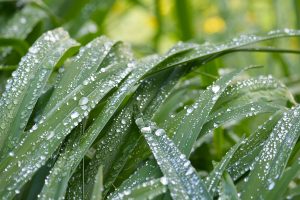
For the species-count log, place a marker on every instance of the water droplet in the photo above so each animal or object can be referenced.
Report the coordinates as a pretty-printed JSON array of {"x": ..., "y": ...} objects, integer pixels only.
[
  {"x": 189, "y": 110},
  {"x": 74, "y": 115},
  {"x": 83, "y": 101},
  {"x": 139, "y": 122},
  {"x": 51, "y": 134},
  {"x": 159, "y": 132},
  {"x": 189, "y": 171},
  {"x": 126, "y": 192},
  {"x": 85, "y": 82},
  {"x": 271, "y": 185},
  {"x": 146, "y": 129},
  {"x": 215, "y": 88},
  {"x": 164, "y": 180}
]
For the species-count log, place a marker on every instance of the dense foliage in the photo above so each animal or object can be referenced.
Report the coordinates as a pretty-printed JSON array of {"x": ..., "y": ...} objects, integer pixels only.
[{"x": 83, "y": 117}]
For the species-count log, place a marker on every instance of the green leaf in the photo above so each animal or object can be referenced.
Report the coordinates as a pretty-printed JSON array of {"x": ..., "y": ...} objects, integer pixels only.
[
  {"x": 273, "y": 158},
  {"x": 193, "y": 124},
  {"x": 147, "y": 190},
  {"x": 282, "y": 184},
  {"x": 78, "y": 148},
  {"x": 80, "y": 68},
  {"x": 215, "y": 176},
  {"x": 98, "y": 186},
  {"x": 227, "y": 189},
  {"x": 179, "y": 174},
  {"x": 22, "y": 23},
  {"x": 248, "y": 152},
  {"x": 142, "y": 175},
  {"x": 150, "y": 94},
  {"x": 195, "y": 116},
  {"x": 93, "y": 8},
  {"x": 55, "y": 126},
  {"x": 19, "y": 27},
  {"x": 201, "y": 54},
  {"x": 27, "y": 84}
]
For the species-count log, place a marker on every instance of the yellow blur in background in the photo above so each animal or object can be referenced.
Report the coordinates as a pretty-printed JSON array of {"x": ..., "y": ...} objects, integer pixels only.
[{"x": 161, "y": 23}]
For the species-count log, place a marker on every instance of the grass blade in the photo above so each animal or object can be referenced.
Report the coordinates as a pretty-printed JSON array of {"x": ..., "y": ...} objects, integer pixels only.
[
  {"x": 98, "y": 186},
  {"x": 274, "y": 156},
  {"x": 20, "y": 26},
  {"x": 78, "y": 148},
  {"x": 282, "y": 184},
  {"x": 80, "y": 68},
  {"x": 147, "y": 190},
  {"x": 228, "y": 190},
  {"x": 55, "y": 126},
  {"x": 28, "y": 82},
  {"x": 208, "y": 99},
  {"x": 201, "y": 54},
  {"x": 215, "y": 176},
  {"x": 180, "y": 176},
  {"x": 190, "y": 126},
  {"x": 244, "y": 158}
]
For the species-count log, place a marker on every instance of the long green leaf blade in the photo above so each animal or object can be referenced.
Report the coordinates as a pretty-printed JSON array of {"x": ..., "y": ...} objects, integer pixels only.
[
  {"x": 228, "y": 190},
  {"x": 98, "y": 187},
  {"x": 180, "y": 176},
  {"x": 215, "y": 176},
  {"x": 282, "y": 184},
  {"x": 78, "y": 148},
  {"x": 55, "y": 126},
  {"x": 28, "y": 82},
  {"x": 274, "y": 156}
]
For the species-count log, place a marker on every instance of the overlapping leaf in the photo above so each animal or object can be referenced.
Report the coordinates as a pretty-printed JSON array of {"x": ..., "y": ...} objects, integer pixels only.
[
  {"x": 180, "y": 176},
  {"x": 273, "y": 158},
  {"x": 27, "y": 84}
]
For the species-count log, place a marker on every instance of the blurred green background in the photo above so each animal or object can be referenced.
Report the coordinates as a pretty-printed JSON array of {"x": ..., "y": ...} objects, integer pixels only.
[{"x": 161, "y": 23}]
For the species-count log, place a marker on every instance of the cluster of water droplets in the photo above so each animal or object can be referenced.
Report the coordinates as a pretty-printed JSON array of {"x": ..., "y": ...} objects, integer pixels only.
[
  {"x": 22, "y": 23},
  {"x": 178, "y": 171},
  {"x": 277, "y": 149},
  {"x": 84, "y": 105},
  {"x": 152, "y": 185},
  {"x": 240, "y": 162},
  {"x": 30, "y": 77}
]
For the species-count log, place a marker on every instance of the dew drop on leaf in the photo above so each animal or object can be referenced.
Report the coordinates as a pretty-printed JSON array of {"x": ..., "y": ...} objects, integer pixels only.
[
  {"x": 74, "y": 115},
  {"x": 164, "y": 180},
  {"x": 83, "y": 101},
  {"x": 215, "y": 88},
  {"x": 146, "y": 129},
  {"x": 271, "y": 185},
  {"x": 159, "y": 132}
]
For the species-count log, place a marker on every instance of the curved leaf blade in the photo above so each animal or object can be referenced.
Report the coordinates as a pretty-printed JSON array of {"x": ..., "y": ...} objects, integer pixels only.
[
  {"x": 274, "y": 156},
  {"x": 28, "y": 82},
  {"x": 180, "y": 176}
]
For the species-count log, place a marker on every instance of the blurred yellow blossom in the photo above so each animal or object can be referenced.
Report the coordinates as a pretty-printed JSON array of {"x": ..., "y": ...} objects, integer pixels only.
[
  {"x": 213, "y": 25},
  {"x": 165, "y": 6}
]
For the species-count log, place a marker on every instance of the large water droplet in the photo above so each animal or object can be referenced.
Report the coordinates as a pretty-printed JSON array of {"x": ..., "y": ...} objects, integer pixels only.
[
  {"x": 271, "y": 185},
  {"x": 159, "y": 132},
  {"x": 74, "y": 115},
  {"x": 215, "y": 88},
  {"x": 146, "y": 129},
  {"x": 164, "y": 180},
  {"x": 83, "y": 101}
]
